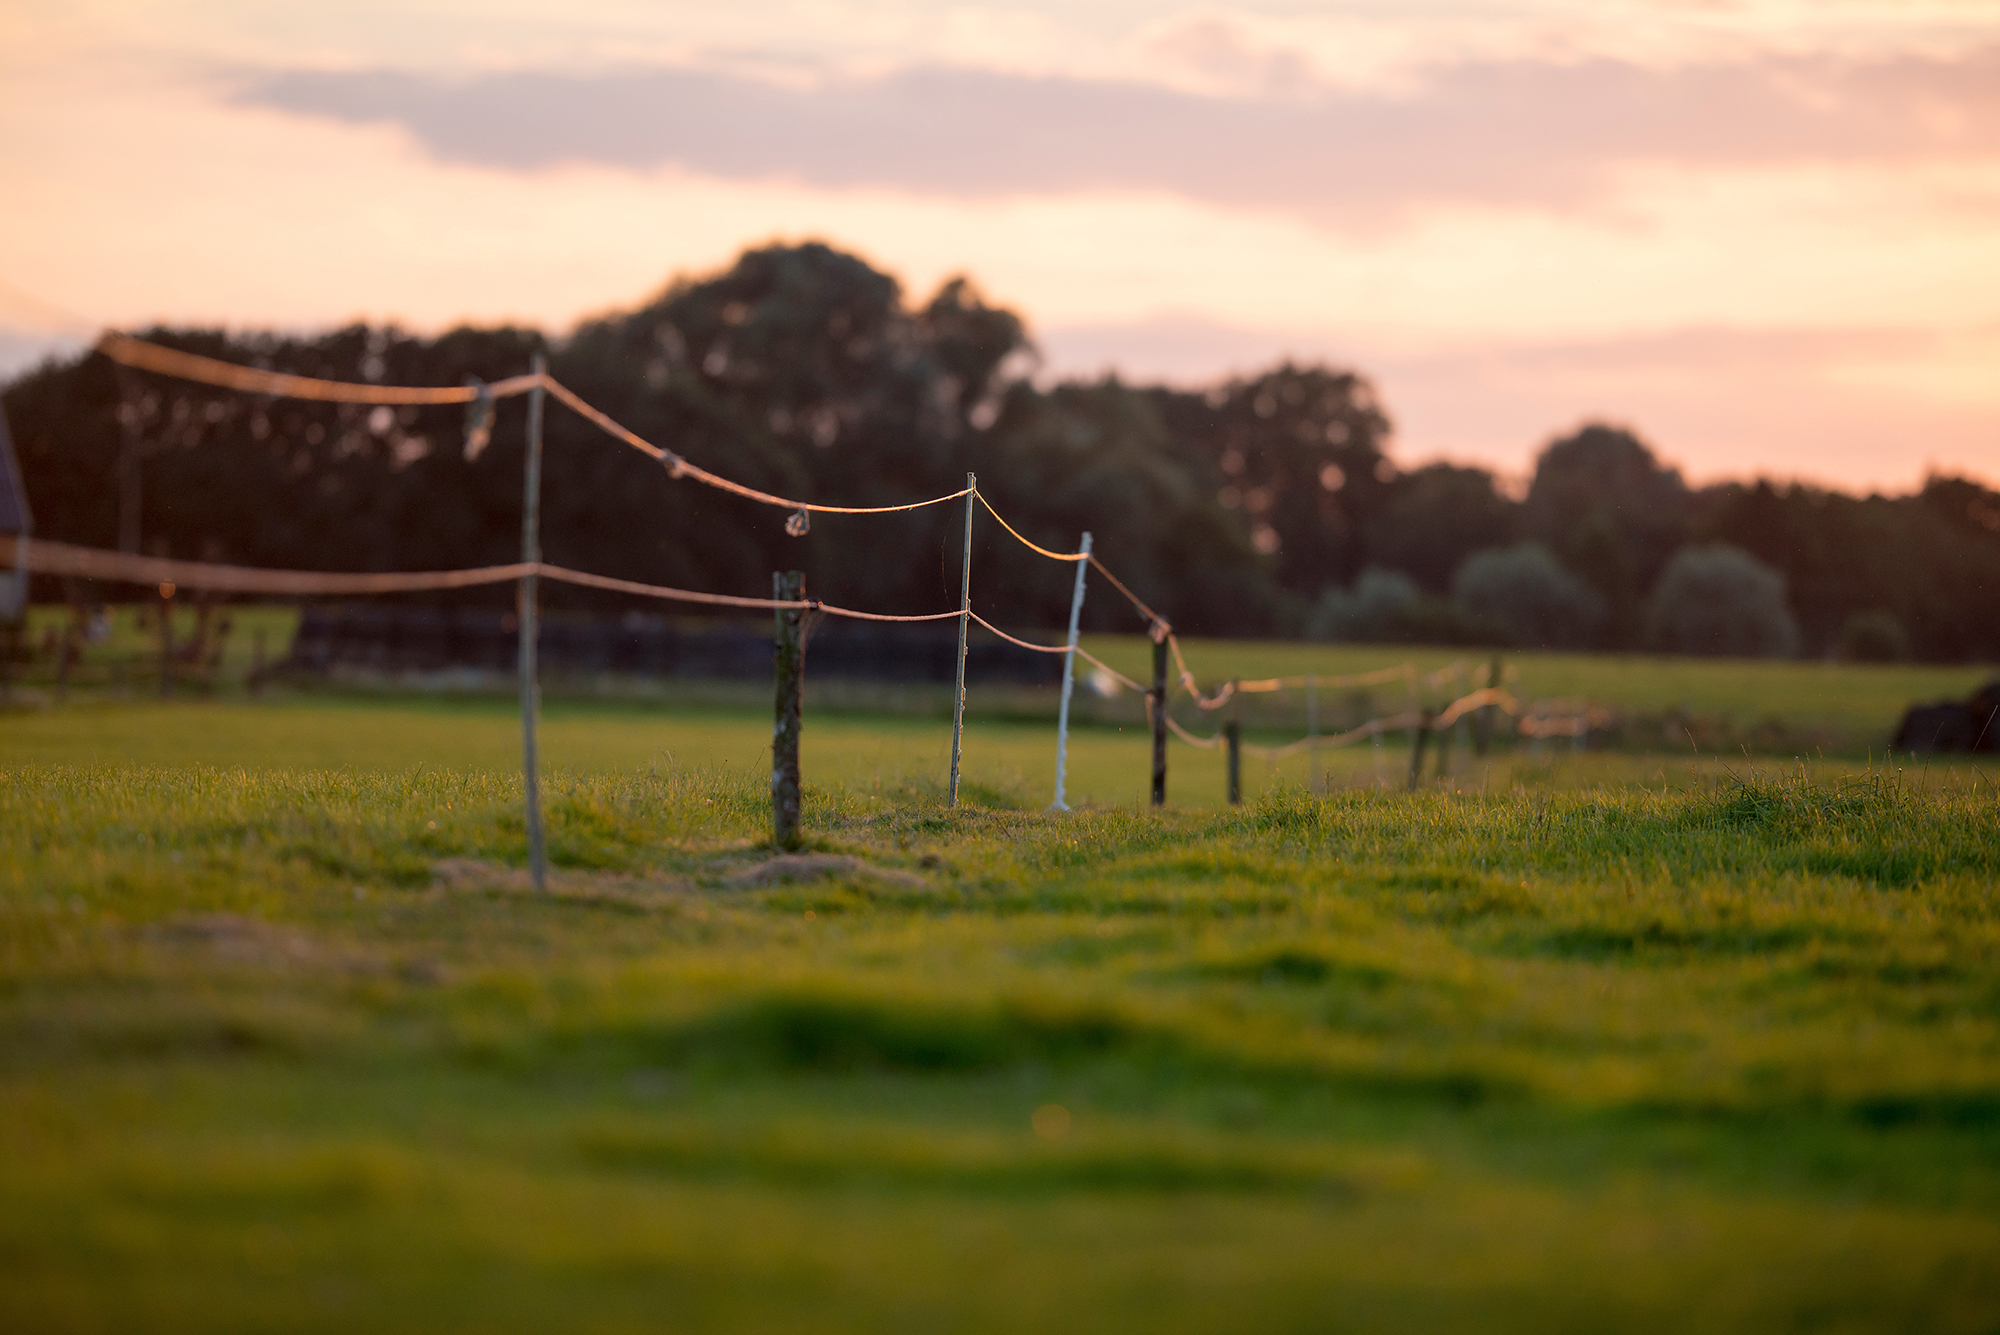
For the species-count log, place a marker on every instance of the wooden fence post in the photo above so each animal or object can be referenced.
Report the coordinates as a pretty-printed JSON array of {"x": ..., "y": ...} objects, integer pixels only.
[
  {"x": 1423, "y": 730},
  {"x": 1158, "y": 695},
  {"x": 1444, "y": 751},
  {"x": 790, "y": 670},
  {"x": 1234, "y": 732}
]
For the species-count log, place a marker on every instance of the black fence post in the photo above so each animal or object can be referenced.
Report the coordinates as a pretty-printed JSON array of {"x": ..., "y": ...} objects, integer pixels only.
[
  {"x": 1482, "y": 727},
  {"x": 788, "y": 587},
  {"x": 1158, "y": 696},
  {"x": 1234, "y": 732},
  {"x": 1417, "y": 750}
]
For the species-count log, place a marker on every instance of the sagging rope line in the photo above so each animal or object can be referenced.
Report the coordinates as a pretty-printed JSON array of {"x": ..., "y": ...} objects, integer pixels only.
[
  {"x": 1038, "y": 648},
  {"x": 129, "y": 351},
  {"x": 678, "y": 467},
  {"x": 62, "y": 558},
  {"x": 1465, "y": 704},
  {"x": 1036, "y": 547}
]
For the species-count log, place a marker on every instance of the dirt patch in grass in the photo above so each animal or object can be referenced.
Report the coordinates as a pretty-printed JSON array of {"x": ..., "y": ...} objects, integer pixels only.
[
  {"x": 588, "y": 887},
  {"x": 791, "y": 868}
]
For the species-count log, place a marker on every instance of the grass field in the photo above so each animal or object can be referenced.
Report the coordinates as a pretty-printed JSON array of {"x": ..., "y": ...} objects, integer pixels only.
[
  {"x": 1774, "y": 709},
  {"x": 1575, "y": 1043}
]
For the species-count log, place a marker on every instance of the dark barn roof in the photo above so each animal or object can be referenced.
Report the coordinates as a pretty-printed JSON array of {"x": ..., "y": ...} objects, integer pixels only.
[{"x": 13, "y": 496}]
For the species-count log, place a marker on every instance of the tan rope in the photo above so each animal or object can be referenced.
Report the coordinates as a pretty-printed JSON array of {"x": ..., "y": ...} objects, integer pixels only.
[
  {"x": 679, "y": 467},
  {"x": 1106, "y": 667},
  {"x": 129, "y": 351},
  {"x": 1053, "y": 556},
  {"x": 1038, "y": 648},
  {"x": 62, "y": 558},
  {"x": 1136, "y": 601}
]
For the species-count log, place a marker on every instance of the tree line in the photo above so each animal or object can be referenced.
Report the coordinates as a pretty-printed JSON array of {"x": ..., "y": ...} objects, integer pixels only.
[{"x": 1263, "y": 505}]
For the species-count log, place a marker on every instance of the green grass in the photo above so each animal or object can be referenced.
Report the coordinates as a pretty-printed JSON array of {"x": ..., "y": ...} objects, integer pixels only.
[
  {"x": 1772, "y": 708},
  {"x": 1597, "y": 1042}
]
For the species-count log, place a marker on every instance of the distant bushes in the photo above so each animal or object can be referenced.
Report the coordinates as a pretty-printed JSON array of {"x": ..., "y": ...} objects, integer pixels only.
[
  {"x": 1528, "y": 598},
  {"x": 1387, "y": 607},
  {"x": 1721, "y": 600}
]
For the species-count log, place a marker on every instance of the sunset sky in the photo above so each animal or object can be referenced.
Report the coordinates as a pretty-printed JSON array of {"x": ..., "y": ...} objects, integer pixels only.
[{"x": 1764, "y": 234}]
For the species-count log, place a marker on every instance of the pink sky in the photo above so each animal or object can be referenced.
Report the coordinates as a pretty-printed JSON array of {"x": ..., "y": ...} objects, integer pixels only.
[{"x": 1765, "y": 235}]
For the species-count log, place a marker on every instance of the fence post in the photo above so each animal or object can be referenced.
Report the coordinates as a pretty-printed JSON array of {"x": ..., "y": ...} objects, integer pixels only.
[
  {"x": 1482, "y": 733},
  {"x": 1312, "y": 726},
  {"x": 1423, "y": 730},
  {"x": 166, "y": 640},
  {"x": 1444, "y": 750},
  {"x": 1069, "y": 681},
  {"x": 789, "y": 587},
  {"x": 527, "y": 626},
  {"x": 1158, "y": 695},
  {"x": 1234, "y": 732},
  {"x": 964, "y": 624}
]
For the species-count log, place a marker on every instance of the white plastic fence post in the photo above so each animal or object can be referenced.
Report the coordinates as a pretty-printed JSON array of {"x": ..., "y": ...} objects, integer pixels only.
[
  {"x": 1069, "y": 681},
  {"x": 531, "y": 553},
  {"x": 964, "y": 623}
]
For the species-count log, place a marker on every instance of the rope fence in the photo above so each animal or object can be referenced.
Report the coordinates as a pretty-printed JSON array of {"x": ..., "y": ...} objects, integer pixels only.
[{"x": 1544, "y": 719}]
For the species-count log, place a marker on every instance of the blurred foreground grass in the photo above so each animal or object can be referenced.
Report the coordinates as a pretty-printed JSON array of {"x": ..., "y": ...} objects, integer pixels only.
[{"x": 1614, "y": 1043}]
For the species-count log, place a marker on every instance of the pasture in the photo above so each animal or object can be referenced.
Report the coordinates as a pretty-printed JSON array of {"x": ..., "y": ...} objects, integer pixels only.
[{"x": 1637, "y": 1041}]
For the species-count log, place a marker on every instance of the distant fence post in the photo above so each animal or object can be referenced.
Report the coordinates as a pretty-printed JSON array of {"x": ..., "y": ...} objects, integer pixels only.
[
  {"x": 166, "y": 640},
  {"x": 1234, "y": 732},
  {"x": 1482, "y": 735},
  {"x": 1423, "y": 730},
  {"x": 788, "y": 587},
  {"x": 1312, "y": 727},
  {"x": 1444, "y": 749},
  {"x": 1069, "y": 681},
  {"x": 1158, "y": 695},
  {"x": 527, "y": 626},
  {"x": 964, "y": 624}
]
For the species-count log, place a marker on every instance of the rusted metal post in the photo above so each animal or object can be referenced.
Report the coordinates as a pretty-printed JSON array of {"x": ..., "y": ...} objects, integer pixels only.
[
  {"x": 789, "y": 663},
  {"x": 1158, "y": 696},
  {"x": 964, "y": 624}
]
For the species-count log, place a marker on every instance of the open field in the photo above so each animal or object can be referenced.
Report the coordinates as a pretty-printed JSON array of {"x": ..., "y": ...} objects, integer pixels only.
[
  {"x": 1597, "y": 1042},
  {"x": 1776, "y": 708}
]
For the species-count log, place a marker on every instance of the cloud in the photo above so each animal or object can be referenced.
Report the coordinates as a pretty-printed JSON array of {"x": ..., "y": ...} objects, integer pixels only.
[{"x": 1525, "y": 133}]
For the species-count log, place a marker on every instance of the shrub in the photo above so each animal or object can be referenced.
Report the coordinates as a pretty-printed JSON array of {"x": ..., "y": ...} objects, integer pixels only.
[
  {"x": 1387, "y": 607},
  {"x": 1529, "y": 597},
  {"x": 1720, "y": 599},
  {"x": 1873, "y": 637}
]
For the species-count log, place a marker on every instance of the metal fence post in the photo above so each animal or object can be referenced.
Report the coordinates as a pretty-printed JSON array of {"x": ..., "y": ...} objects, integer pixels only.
[
  {"x": 1158, "y": 695},
  {"x": 788, "y": 587},
  {"x": 531, "y": 693},
  {"x": 964, "y": 624}
]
